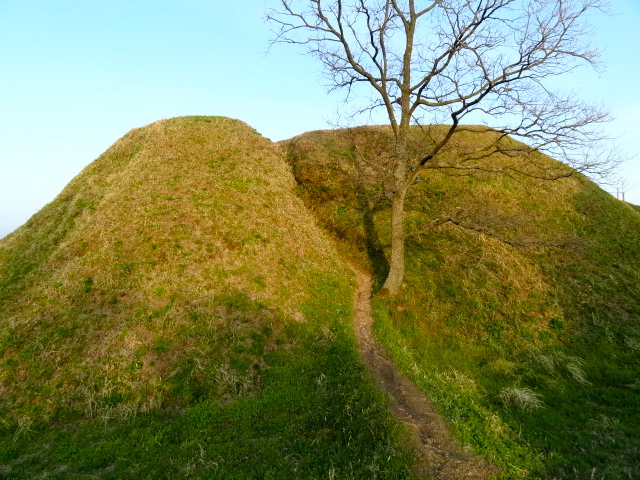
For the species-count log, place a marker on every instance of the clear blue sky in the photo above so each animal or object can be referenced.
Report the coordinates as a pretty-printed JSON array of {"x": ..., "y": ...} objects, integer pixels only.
[{"x": 76, "y": 75}]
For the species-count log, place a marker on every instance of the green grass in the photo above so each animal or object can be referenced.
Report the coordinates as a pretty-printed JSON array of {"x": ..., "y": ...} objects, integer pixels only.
[
  {"x": 521, "y": 322},
  {"x": 313, "y": 417}
]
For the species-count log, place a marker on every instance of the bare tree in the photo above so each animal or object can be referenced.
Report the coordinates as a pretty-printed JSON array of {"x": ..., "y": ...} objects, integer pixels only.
[
  {"x": 441, "y": 61},
  {"x": 622, "y": 188}
]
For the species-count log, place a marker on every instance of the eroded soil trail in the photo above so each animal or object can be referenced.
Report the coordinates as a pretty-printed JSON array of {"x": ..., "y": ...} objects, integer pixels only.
[{"x": 438, "y": 456}]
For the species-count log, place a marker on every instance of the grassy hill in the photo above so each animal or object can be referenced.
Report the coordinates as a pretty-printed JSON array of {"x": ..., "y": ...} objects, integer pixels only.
[
  {"x": 520, "y": 311},
  {"x": 176, "y": 313}
]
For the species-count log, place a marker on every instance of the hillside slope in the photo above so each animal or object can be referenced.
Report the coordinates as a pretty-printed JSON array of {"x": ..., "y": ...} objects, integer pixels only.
[
  {"x": 178, "y": 293},
  {"x": 520, "y": 311}
]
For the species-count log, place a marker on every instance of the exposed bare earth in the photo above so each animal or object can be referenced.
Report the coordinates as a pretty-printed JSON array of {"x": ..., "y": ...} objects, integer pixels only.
[{"x": 438, "y": 456}]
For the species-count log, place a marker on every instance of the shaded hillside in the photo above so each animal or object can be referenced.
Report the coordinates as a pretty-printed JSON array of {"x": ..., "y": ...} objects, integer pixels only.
[
  {"x": 179, "y": 293},
  {"x": 520, "y": 312}
]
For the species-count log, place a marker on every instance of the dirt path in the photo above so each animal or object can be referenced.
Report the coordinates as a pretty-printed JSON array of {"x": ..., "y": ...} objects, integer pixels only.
[{"x": 438, "y": 457}]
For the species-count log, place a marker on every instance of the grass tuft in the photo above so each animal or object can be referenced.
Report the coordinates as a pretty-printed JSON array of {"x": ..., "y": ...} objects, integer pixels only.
[{"x": 521, "y": 397}]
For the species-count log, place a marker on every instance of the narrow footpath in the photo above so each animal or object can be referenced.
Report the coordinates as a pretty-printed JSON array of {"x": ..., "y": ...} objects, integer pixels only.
[{"x": 438, "y": 456}]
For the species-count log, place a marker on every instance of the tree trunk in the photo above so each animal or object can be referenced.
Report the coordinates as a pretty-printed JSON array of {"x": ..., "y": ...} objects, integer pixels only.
[{"x": 396, "y": 265}]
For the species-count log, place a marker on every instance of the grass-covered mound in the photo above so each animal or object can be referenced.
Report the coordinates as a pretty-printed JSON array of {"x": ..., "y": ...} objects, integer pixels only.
[
  {"x": 520, "y": 311},
  {"x": 176, "y": 313}
]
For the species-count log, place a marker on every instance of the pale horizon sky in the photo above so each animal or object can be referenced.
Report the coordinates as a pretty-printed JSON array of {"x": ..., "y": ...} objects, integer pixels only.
[{"x": 78, "y": 75}]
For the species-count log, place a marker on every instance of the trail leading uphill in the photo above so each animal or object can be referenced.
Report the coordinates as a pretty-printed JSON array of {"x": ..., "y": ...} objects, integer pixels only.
[{"x": 437, "y": 454}]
